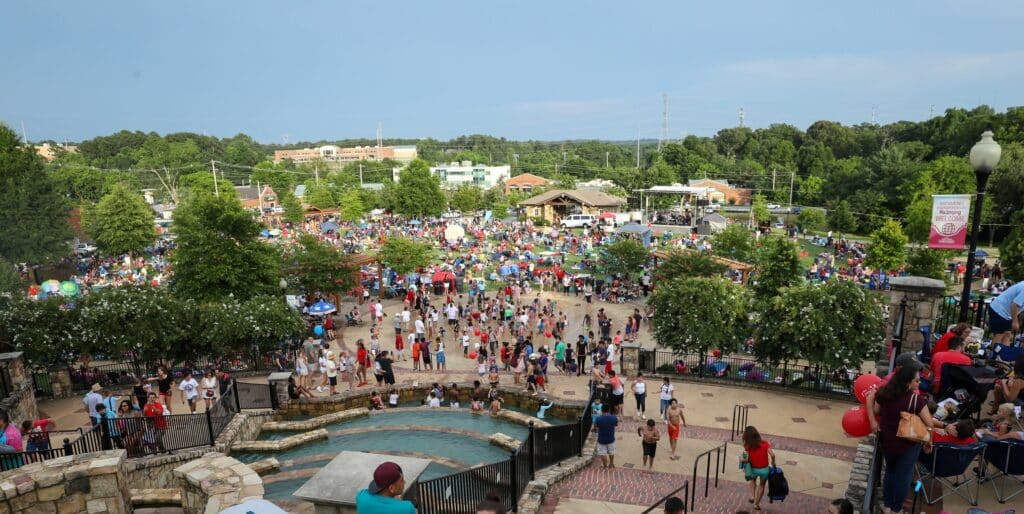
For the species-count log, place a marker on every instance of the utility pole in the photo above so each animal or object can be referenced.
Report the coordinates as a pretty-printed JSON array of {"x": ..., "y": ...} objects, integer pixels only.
[
  {"x": 931, "y": 111},
  {"x": 259, "y": 193},
  {"x": 216, "y": 189},
  {"x": 792, "y": 178},
  {"x": 874, "y": 113},
  {"x": 773, "y": 180},
  {"x": 606, "y": 159},
  {"x": 664, "y": 120},
  {"x": 360, "y": 174},
  {"x": 743, "y": 116},
  {"x": 637, "y": 149},
  {"x": 316, "y": 171},
  {"x": 24, "y": 135},
  {"x": 564, "y": 158}
]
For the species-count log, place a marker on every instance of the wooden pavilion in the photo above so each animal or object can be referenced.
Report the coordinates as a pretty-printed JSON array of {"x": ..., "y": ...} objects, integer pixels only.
[{"x": 735, "y": 265}]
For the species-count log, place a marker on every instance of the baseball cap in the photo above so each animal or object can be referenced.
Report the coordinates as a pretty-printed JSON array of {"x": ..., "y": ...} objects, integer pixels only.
[{"x": 385, "y": 476}]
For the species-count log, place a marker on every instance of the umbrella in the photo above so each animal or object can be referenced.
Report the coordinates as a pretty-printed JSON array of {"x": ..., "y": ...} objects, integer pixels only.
[
  {"x": 265, "y": 233},
  {"x": 329, "y": 226},
  {"x": 981, "y": 253},
  {"x": 275, "y": 232},
  {"x": 321, "y": 308},
  {"x": 51, "y": 286},
  {"x": 414, "y": 222},
  {"x": 68, "y": 288},
  {"x": 454, "y": 233}
]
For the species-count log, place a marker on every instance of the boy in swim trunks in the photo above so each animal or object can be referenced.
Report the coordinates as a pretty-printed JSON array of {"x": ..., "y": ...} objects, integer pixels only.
[
  {"x": 649, "y": 440},
  {"x": 675, "y": 419}
]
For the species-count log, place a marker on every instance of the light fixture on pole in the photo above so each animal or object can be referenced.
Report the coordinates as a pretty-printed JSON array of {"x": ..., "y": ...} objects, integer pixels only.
[{"x": 984, "y": 157}]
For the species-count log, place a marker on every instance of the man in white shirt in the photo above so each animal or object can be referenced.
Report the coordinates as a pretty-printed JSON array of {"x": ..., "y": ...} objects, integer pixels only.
[
  {"x": 189, "y": 391},
  {"x": 420, "y": 327},
  {"x": 406, "y": 317},
  {"x": 665, "y": 397}
]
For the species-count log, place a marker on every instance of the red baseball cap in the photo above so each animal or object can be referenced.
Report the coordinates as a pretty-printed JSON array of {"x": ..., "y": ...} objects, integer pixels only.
[{"x": 385, "y": 476}]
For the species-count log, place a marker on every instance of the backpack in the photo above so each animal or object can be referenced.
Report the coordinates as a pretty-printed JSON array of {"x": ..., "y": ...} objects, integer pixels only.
[{"x": 778, "y": 486}]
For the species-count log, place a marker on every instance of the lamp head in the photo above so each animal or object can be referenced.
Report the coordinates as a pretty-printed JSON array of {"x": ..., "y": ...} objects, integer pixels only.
[
  {"x": 283, "y": 283},
  {"x": 985, "y": 154}
]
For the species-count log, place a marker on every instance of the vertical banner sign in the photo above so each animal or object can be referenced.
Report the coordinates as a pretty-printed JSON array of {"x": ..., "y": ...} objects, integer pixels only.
[{"x": 949, "y": 221}]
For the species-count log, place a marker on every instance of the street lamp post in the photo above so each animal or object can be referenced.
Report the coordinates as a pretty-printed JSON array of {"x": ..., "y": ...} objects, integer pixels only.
[{"x": 984, "y": 157}]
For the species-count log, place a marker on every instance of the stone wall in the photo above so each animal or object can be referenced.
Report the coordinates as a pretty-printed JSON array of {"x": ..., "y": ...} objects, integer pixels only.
[
  {"x": 155, "y": 472},
  {"x": 924, "y": 297},
  {"x": 215, "y": 482},
  {"x": 60, "y": 383},
  {"x": 856, "y": 488},
  {"x": 20, "y": 403},
  {"x": 92, "y": 482}
]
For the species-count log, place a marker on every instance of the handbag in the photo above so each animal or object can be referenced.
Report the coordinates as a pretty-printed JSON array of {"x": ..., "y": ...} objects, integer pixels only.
[{"x": 912, "y": 427}]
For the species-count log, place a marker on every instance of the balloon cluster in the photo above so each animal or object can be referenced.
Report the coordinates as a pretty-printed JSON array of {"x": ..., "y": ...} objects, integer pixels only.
[{"x": 855, "y": 420}]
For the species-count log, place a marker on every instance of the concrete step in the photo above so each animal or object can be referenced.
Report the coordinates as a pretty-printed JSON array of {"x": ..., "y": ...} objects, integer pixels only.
[{"x": 155, "y": 498}]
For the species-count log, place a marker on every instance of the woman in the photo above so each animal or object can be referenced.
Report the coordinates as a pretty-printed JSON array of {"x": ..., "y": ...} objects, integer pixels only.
[
  {"x": 758, "y": 453},
  {"x": 131, "y": 430},
  {"x": 302, "y": 369},
  {"x": 209, "y": 387},
  {"x": 1008, "y": 390},
  {"x": 640, "y": 393},
  {"x": 898, "y": 395}
]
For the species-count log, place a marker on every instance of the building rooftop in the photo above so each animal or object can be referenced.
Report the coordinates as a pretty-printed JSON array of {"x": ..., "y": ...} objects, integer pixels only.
[{"x": 583, "y": 196}]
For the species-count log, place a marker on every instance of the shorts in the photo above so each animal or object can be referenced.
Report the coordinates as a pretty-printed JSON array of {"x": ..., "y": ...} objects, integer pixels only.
[
  {"x": 440, "y": 358},
  {"x": 998, "y": 324},
  {"x": 399, "y": 342},
  {"x": 673, "y": 432},
  {"x": 333, "y": 380},
  {"x": 616, "y": 399},
  {"x": 761, "y": 473},
  {"x": 302, "y": 371},
  {"x": 389, "y": 379},
  {"x": 650, "y": 449},
  {"x": 605, "y": 449}
]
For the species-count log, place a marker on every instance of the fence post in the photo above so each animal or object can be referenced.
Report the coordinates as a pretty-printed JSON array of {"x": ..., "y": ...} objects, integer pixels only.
[
  {"x": 209, "y": 426},
  {"x": 106, "y": 442},
  {"x": 700, "y": 363},
  {"x": 274, "y": 403},
  {"x": 68, "y": 449},
  {"x": 785, "y": 372},
  {"x": 513, "y": 481},
  {"x": 533, "y": 452},
  {"x": 234, "y": 389}
]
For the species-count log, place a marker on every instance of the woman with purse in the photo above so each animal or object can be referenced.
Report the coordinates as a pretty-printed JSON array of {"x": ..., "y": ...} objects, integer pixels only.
[{"x": 903, "y": 423}]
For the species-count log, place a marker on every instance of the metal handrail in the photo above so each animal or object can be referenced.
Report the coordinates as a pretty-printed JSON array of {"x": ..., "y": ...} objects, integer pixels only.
[
  {"x": 739, "y": 420},
  {"x": 686, "y": 498},
  {"x": 720, "y": 457}
]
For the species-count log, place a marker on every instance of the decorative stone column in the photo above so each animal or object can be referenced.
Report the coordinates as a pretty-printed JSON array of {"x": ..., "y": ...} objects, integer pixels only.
[
  {"x": 60, "y": 382},
  {"x": 279, "y": 387},
  {"x": 20, "y": 402},
  {"x": 924, "y": 296},
  {"x": 630, "y": 359}
]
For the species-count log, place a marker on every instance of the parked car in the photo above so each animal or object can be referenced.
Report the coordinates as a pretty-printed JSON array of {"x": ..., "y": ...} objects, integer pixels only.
[
  {"x": 579, "y": 220},
  {"x": 714, "y": 207},
  {"x": 83, "y": 249},
  {"x": 774, "y": 206}
]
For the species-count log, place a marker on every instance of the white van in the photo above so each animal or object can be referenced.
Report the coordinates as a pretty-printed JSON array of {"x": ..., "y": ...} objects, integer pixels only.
[{"x": 579, "y": 220}]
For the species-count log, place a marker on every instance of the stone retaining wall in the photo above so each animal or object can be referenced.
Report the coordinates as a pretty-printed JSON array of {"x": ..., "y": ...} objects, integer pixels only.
[
  {"x": 155, "y": 471},
  {"x": 279, "y": 445},
  {"x": 215, "y": 482},
  {"x": 856, "y": 487},
  {"x": 317, "y": 422},
  {"x": 92, "y": 482},
  {"x": 20, "y": 403}
]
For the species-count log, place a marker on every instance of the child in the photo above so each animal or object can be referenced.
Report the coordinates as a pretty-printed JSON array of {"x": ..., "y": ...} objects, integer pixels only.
[
  {"x": 376, "y": 402},
  {"x": 649, "y": 437},
  {"x": 1005, "y": 424},
  {"x": 433, "y": 402},
  {"x": 595, "y": 410},
  {"x": 465, "y": 343},
  {"x": 495, "y": 400},
  {"x": 492, "y": 377},
  {"x": 393, "y": 398},
  {"x": 453, "y": 396}
]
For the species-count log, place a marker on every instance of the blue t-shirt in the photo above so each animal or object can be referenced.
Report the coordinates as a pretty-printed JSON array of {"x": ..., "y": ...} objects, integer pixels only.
[
  {"x": 606, "y": 428},
  {"x": 369, "y": 503},
  {"x": 1015, "y": 294}
]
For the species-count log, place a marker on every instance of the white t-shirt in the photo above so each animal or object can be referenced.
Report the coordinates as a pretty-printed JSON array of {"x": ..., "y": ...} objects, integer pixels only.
[
  {"x": 465, "y": 340},
  {"x": 419, "y": 326},
  {"x": 190, "y": 387},
  {"x": 393, "y": 399},
  {"x": 405, "y": 316},
  {"x": 666, "y": 391},
  {"x": 435, "y": 402},
  {"x": 639, "y": 387},
  {"x": 332, "y": 369},
  {"x": 379, "y": 308}
]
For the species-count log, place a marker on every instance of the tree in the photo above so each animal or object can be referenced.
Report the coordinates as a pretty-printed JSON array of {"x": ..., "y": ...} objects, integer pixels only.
[
  {"x": 735, "y": 242},
  {"x": 320, "y": 196},
  {"x": 624, "y": 256},
  {"x": 778, "y": 267},
  {"x": 322, "y": 268},
  {"x": 683, "y": 323},
  {"x": 841, "y": 220},
  {"x": 682, "y": 263},
  {"x": 925, "y": 262},
  {"x": 759, "y": 207},
  {"x": 418, "y": 193},
  {"x": 887, "y": 249},
  {"x": 44, "y": 330},
  {"x": 33, "y": 215},
  {"x": 837, "y": 324},
  {"x": 218, "y": 251},
  {"x": 466, "y": 198},
  {"x": 811, "y": 219},
  {"x": 143, "y": 320},
  {"x": 404, "y": 255},
  {"x": 809, "y": 191},
  {"x": 10, "y": 280},
  {"x": 122, "y": 223},
  {"x": 1011, "y": 252},
  {"x": 351, "y": 205},
  {"x": 242, "y": 150},
  {"x": 293, "y": 212}
]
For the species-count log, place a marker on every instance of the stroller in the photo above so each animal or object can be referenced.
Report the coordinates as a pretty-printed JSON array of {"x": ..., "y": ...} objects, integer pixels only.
[{"x": 968, "y": 385}]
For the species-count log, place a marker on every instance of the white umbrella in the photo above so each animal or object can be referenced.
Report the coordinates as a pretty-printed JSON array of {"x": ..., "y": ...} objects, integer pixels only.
[{"x": 453, "y": 233}]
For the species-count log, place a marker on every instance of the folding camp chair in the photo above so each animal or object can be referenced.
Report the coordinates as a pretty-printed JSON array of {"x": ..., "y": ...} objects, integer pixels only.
[
  {"x": 948, "y": 464},
  {"x": 1007, "y": 456}
]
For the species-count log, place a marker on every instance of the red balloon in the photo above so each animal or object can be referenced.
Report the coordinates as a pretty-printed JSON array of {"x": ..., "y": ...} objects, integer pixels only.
[
  {"x": 476, "y": 331},
  {"x": 864, "y": 385},
  {"x": 472, "y": 355},
  {"x": 547, "y": 334},
  {"x": 856, "y": 423}
]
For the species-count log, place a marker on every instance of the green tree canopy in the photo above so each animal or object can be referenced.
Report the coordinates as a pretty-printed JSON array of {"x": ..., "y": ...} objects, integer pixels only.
[
  {"x": 841, "y": 219},
  {"x": 759, "y": 207},
  {"x": 321, "y": 267},
  {"x": 33, "y": 215},
  {"x": 811, "y": 219},
  {"x": 624, "y": 256},
  {"x": 122, "y": 222},
  {"x": 10, "y": 280},
  {"x": 683, "y": 323},
  {"x": 735, "y": 242},
  {"x": 404, "y": 255},
  {"x": 682, "y": 263},
  {"x": 887, "y": 249},
  {"x": 778, "y": 266},
  {"x": 218, "y": 251},
  {"x": 1011, "y": 252},
  {"x": 466, "y": 198},
  {"x": 351, "y": 205},
  {"x": 925, "y": 262},
  {"x": 418, "y": 193}
]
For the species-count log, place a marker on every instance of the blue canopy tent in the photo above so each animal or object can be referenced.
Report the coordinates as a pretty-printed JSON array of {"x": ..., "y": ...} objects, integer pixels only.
[{"x": 635, "y": 230}]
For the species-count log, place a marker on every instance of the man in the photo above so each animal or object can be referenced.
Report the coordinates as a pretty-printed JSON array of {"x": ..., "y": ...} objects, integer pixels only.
[
  {"x": 606, "y": 424},
  {"x": 649, "y": 437},
  {"x": 34, "y": 433},
  {"x": 378, "y": 309},
  {"x": 91, "y": 400},
  {"x": 674, "y": 505},
  {"x": 189, "y": 391},
  {"x": 154, "y": 411},
  {"x": 1004, "y": 314},
  {"x": 332, "y": 373},
  {"x": 383, "y": 495},
  {"x": 675, "y": 416},
  {"x": 955, "y": 355},
  {"x": 560, "y": 355},
  {"x": 618, "y": 392},
  {"x": 581, "y": 354}
]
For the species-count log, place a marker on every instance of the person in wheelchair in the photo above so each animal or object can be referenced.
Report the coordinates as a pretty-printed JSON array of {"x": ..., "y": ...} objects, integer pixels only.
[{"x": 353, "y": 317}]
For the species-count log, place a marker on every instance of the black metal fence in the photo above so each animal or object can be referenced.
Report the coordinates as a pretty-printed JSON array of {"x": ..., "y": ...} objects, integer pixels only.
[
  {"x": 125, "y": 370},
  {"x": 949, "y": 314},
  {"x": 749, "y": 370},
  {"x": 255, "y": 396},
  {"x": 685, "y": 489}
]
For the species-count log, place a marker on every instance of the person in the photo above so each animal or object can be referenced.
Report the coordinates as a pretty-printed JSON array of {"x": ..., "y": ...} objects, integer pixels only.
[
  {"x": 961, "y": 432},
  {"x": 91, "y": 400},
  {"x": 392, "y": 398},
  {"x": 384, "y": 359},
  {"x": 495, "y": 400},
  {"x": 491, "y": 504},
  {"x": 130, "y": 430},
  {"x": 297, "y": 391},
  {"x": 154, "y": 411},
  {"x": 332, "y": 373},
  {"x": 376, "y": 402},
  {"x": 433, "y": 401},
  {"x": 674, "y": 505},
  {"x": 581, "y": 354},
  {"x": 439, "y": 355},
  {"x": 649, "y": 437},
  {"x": 618, "y": 392},
  {"x": 840, "y": 506},
  {"x": 347, "y": 367},
  {"x": 383, "y": 495},
  {"x": 560, "y": 355},
  {"x": 453, "y": 396},
  {"x": 606, "y": 424},
  {"x": 108, "y": 417},
  {"x": 476, "y": 398},
  {"x": 961, "y": 330},
  {"x": 640, "y": 394},
  {"x": 1005, "y": 424},
  {"x": 758, "y": 452},
  {"x": 189, "y": 391},
  {"x": 164, "y": 383},
  {"x": 34, "y": 433},
  {"x": 665, "y": 397},
  {"x": 1009, "y": 389},
  {"x": 675, "y": 420},
  {"x": 1004, "y": 314},
  {"x": 302, "y": 368},
  {"x": 141, "y": 392},
  {"x": 10, "y": 436},
  {"x": 209, "y": 384},
  {"x": 898, "y": 395},
  {"x": 955, "y": 355},
  {"x": 361, "y": 360}
]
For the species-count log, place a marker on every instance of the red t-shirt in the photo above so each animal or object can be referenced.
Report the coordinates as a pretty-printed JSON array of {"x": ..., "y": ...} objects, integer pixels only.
[
  {"x": 939, "y": 359},
  {"x": 758, "y": 457},
  {"x": 361, "y": 355},
  {"x": 943, "y": 438},
  {"x": 155, "y": 410},
  {"x": 942, "y": 344}
]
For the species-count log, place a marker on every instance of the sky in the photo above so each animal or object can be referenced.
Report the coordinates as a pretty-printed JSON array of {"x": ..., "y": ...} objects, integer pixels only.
[{"x": 547, "y": 70}]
